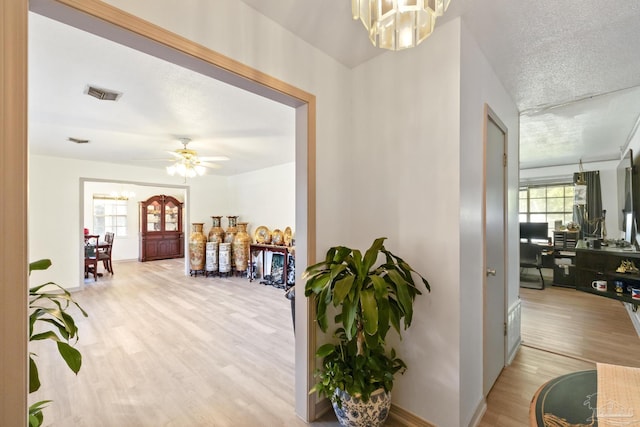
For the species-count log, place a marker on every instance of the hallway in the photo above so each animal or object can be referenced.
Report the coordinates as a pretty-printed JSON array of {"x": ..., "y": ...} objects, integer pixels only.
[{"x": 563, "y": 330}]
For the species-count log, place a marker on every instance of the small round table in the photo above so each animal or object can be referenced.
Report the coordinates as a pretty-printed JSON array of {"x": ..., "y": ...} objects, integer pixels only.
[{"x": 568, "y": 400}]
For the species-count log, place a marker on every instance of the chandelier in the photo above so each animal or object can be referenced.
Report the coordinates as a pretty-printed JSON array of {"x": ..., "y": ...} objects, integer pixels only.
[{"x": 398, "y": 24}]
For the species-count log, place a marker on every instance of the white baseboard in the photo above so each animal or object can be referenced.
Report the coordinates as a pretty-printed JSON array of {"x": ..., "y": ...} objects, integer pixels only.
[
  {"x": 514, "y": 319},
  {"x": 407, "y": 418},
  {"x": 479, "y": 413}
]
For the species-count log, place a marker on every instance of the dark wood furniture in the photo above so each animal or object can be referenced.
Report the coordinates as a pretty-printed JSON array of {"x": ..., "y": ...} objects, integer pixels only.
[
  {"x": 601, "y": 264},
  {"x": 255, "y": 248},
  {"x": 104, "y": 251},
  {"x": 161, "y": 235},
  {"x": 91, "y": 255},
  {"x": 564, "y": 268}
]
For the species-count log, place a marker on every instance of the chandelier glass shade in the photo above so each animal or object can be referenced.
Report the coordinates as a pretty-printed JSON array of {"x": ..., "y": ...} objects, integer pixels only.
[{"x": 398, "y": 24}]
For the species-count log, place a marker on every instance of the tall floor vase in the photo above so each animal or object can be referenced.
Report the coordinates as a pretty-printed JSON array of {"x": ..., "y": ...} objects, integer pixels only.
[
  {"x": 197, "y": 249},
  {"x": 241, "y": 243},
  {"x": 224, "y": 258},
  {"x": 216, "y": 233},
  {"x": 211, "y": 267},
  {"x": 230, "y": 234}
]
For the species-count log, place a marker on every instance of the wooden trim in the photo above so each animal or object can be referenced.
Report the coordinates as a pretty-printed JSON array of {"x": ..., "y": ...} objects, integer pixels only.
[
  {"x": 406, "y": 418},
  {"x": 111, "y": 22},
  {"x": 13, "y": 213}
]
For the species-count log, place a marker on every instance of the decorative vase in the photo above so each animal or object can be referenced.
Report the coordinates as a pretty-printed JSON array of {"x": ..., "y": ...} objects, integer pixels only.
[
  {"x": 197, "y": 248},
  {"x": 230, "y": 234},
  {"x": 216, "y": 234},
  {"x": 241, "y": 243},
  {"x": 212, "y": 258},
  {"x": 224, "y": 258},
  {"x": 356, "y": 413}
]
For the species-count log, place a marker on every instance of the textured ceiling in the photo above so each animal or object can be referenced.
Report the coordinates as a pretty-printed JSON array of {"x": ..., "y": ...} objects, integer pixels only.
[
  {"x": 571, "y": 67},
  {"x": 554, "y": 58}
]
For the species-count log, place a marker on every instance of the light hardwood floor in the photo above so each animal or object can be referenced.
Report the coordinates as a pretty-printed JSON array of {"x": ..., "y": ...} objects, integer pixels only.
[
  {"x": 164, "y": 349},
  {"x": 563, "y": 330}
]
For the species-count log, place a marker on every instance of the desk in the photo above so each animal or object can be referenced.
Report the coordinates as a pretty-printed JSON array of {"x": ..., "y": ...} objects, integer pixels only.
[{"x": 258, "y": 247}]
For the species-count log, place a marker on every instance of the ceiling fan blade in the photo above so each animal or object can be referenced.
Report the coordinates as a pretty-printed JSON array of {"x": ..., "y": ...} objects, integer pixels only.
[
  {"x": 214, "y": 158},
  {"x": 154, "y": 160},
  {"x": 210, "y": 165},
  {"x": 174, "y": 154}
]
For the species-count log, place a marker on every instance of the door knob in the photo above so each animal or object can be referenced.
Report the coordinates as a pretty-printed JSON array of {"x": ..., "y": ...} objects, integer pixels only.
[{"x": 491, "y": 272}]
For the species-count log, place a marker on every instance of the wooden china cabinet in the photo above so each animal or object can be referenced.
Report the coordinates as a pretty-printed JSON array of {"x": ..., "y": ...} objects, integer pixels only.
[{"x": 161, "y": 234}]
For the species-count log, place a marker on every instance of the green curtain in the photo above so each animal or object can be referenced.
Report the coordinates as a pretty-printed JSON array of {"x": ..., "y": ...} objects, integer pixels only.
[{"x": 587, "y": 215}]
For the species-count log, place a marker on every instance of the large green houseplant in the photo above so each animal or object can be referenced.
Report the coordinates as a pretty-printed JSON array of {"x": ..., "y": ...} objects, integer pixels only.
[
  {"x": 368, "y": 299},
  {"x": 50, "y": 320}
]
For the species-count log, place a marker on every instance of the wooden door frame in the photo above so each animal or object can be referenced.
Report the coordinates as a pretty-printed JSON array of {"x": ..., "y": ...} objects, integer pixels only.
[
  {"x": 110, "y": 22},
  {"x": 490, "y": 115},
  {"x": 13, "y": 216}
]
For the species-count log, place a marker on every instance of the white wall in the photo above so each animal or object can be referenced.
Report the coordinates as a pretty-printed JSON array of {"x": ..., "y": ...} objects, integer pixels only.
[
  {"x": 480, "y": 85},
  {"x": 265, "y": 197},
  {"x": 418, "y": 168}
]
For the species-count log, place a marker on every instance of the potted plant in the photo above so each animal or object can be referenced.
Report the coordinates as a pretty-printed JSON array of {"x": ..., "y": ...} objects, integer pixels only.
[
  {"x": 357, "y": 372},
  {"x": 49, "y": 320}
]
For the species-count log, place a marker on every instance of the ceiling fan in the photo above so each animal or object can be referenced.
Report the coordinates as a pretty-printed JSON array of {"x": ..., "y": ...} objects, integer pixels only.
[{"x": 187, "y": 162}]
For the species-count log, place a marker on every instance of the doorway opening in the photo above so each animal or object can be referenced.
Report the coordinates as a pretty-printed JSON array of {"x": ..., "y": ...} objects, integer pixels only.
[{"x": 105, "y": 21}]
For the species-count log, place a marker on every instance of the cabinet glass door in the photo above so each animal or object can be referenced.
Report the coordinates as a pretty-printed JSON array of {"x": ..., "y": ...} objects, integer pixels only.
[
  {"x": 154, "y": 216},
  {"x": 170, "y": 217}
]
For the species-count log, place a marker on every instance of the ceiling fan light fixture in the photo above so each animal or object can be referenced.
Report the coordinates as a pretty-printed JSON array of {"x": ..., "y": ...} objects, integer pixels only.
[
  {"x": 398, "y": 24},
  {"x": 187, "y": 163}
]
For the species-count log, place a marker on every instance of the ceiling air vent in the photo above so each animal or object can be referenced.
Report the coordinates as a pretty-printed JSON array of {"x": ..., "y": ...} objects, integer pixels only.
[
  {"x": 102, "y": 94},
  {"x": 78, "y": 140}
]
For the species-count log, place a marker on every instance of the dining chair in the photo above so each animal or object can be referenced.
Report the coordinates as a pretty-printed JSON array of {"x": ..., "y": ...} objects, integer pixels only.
[
  {"x": 104, "y": 251},
  {"x": 91, "y": 256}
]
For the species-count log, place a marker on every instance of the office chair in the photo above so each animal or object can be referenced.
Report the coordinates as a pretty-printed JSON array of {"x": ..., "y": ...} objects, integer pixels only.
[{"x": 531, "y": 257}]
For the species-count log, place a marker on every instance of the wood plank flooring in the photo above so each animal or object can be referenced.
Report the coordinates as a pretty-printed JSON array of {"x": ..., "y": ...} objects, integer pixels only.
[
  {"x": 563, "y": 330},
  {"x": 579, "y": 324},
  {"x": 164, "y": 349}
]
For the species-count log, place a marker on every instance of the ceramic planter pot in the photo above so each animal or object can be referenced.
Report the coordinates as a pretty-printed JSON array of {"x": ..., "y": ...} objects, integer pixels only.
[{"x": 356, "y": 413}]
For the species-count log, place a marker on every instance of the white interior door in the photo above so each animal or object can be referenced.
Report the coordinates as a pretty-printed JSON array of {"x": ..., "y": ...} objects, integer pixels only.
[{"x": 494, "y": 325}]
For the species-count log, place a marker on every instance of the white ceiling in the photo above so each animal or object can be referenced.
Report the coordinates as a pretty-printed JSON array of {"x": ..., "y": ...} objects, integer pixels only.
[
  {"x": 160, "y": 103},
  {"x": 556, "y": 59}
]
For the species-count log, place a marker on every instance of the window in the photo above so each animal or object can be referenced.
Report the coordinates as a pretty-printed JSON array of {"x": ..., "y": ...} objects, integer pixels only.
[
  {"x": 110, "y": 214},
  {"x": 547, "y": 203}
]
